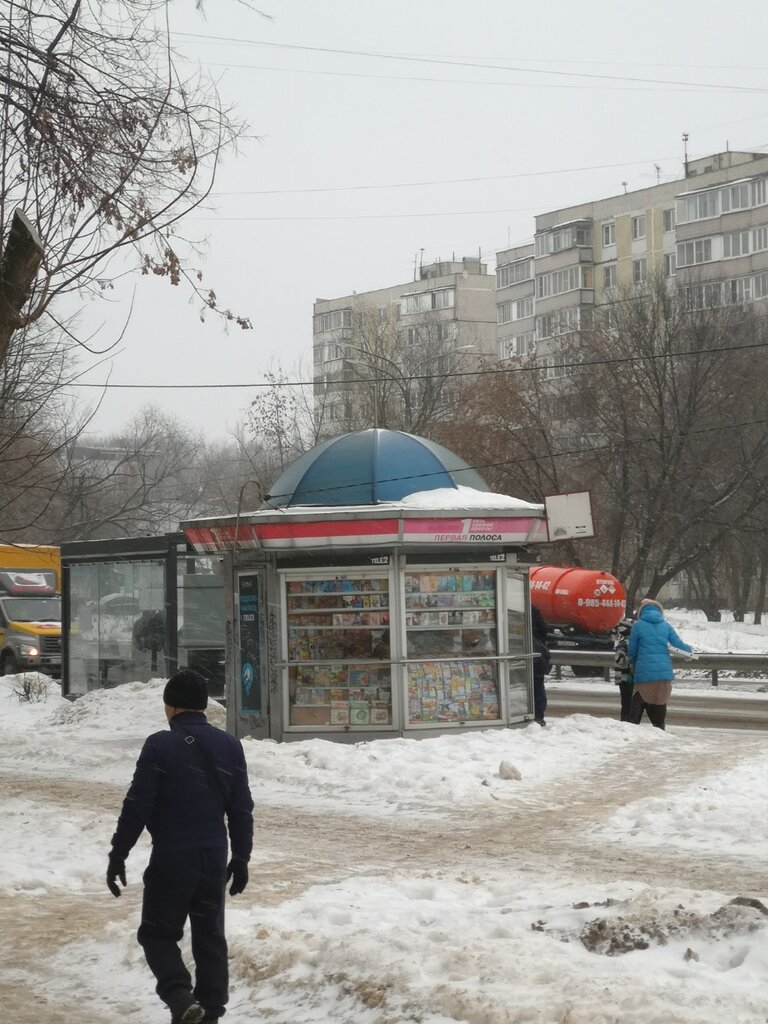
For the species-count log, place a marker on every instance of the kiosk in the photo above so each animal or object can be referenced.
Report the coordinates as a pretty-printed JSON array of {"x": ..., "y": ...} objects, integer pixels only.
[{"x": 380, "y": 590}]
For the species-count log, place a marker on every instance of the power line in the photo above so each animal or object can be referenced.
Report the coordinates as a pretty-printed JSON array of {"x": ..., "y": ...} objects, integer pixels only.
[
  {"x": 547, "y": 60},
  {"x": 445, "y": 181},
  {"x": 370, "y": 216},
  {"x": 496, "y": 371},
  {"x": 443, "y": 62},
  {"x": 372, "y": 76}
]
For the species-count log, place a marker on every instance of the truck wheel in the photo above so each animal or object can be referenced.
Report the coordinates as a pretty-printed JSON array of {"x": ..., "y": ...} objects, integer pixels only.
[{"x": 8, "y": 665}]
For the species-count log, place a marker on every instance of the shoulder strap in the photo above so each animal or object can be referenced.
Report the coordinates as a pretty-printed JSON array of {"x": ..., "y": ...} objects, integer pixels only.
[{"x": 197, "y": 752}]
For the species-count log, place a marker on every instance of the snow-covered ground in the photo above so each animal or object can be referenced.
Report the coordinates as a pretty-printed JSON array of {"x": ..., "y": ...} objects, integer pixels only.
[{"x": 585, "y": 872}]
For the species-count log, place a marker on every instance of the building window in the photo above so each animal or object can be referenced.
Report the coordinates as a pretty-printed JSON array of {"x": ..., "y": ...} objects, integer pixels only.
[
  {"x": 639, "y": 271},
  {"x": 444, "y": 331},
  {"x": 759, "y": 192},
  {"x": 423, "y": 302},
  {"x": 563, "y": 238},
  {"x": 668, "y": 217},
  {"x": 513, "y": 273},
  {"x": 562, "y": 322},
  {"x": 333, "y": 321},
  {"x": 698, "y": 207},
  {"x": 691, "y": 253},
  {"x": 560, "y": 281},
  {"x": 638, "y": 227},
  {"x": 555, "y": 367},
  {"x": 609, "y": 276},
  {"x": 670, "y": 264},
  {"x": 761, "y": 286},
  {"x": 418, "y": 303},
  {"x": 735, "y": 197},
  {"x": 760, "y": 239},
  {"x": 735, "y": 243},
  {"x": 517, "y": 346},
  {"x": 609, "y": 234},
  {"x": 506, "y": 312},
  {"x": 738, "y": 290},
  {"x": 705, "y": 296}
]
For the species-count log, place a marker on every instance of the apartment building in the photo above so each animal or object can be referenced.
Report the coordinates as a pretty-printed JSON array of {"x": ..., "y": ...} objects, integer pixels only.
[
  {"x": 709, "y": 228},
  {"x": 443, "y": 320}
]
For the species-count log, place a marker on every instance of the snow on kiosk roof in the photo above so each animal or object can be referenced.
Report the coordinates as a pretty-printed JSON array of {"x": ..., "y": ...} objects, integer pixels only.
[{"x": 374, "y": 488}]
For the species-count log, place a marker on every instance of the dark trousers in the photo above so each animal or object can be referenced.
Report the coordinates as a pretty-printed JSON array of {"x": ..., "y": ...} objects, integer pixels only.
[
  {"x": 656, "y": 712},
  {"x": 626, "y": 691},
  {"x": 181, "y": 884},
  {"x": 539, "y": 698}
]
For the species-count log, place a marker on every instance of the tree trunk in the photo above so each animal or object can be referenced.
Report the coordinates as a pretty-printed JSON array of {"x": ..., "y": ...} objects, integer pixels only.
[{"x": 18, "y": 270}]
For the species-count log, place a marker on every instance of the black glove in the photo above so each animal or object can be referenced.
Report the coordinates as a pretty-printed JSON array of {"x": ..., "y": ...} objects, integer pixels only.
[
  {"x": 237, "y": 870},
  {"x": 115, "y": 870}
]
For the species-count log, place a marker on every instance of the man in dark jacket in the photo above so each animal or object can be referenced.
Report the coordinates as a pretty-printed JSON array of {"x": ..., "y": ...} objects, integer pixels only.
[
  {"x": 542, "y": 664},
  {"x": 186, "y": 780}
]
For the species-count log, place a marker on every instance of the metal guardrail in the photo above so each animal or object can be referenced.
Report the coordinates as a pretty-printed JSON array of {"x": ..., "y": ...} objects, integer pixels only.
[{"x": 712, "y": 661}]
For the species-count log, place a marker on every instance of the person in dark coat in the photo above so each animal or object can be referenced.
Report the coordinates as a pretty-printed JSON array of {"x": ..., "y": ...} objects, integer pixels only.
[
  {"x": 648, "y": 653},
  {"x": 186, "y": 781},
  {"x": 622, "y": 669},
  {"x": 542, "y": 665}
]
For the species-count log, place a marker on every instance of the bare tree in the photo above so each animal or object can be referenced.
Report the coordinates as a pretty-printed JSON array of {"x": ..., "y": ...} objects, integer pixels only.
[
  {"x": 104, "y": 148},
  {"x": 141, "y": 480},
  {"x": 392, "y": 375},
  {"x": 659, "y": 411},
  {"x": 38, "y": 426}
]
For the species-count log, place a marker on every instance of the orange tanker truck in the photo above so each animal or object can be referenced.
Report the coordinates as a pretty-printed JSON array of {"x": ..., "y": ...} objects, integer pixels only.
[{"x": 581, "y": 608}]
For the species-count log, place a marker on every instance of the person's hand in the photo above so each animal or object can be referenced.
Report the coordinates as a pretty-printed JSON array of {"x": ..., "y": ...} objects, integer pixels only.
[
  {"x": 115, "y": 870},
  {"x": 237, "y": 870}
]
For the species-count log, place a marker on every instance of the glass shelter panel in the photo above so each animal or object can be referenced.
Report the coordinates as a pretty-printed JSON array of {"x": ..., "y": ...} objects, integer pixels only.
[
  {"x": 520, "y": 691},
  {"x": 116, "y": 624},
  {"x": 338, "y": 650},
  {"x": 450, "y": 623},
  {"x": 201, "y": 629}
]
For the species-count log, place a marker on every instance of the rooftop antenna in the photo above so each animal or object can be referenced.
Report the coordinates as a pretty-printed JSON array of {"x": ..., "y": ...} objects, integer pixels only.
[
  {"x": 421, "y": 260},
  {"x": 685, "y": 152},
  {"x": 625, "y": 187},
  {"x": 658, "y": 173},
  {"x": 415, "y": 266}
]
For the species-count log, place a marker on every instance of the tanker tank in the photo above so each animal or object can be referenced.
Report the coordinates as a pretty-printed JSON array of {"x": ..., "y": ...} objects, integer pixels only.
[{"x": 581, "y": 608}]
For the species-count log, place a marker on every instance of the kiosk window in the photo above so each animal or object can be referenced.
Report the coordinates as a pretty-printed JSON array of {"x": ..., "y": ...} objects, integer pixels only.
[
  {"x": 451, "y": 616},
  {"x": 338, "y": 651}
]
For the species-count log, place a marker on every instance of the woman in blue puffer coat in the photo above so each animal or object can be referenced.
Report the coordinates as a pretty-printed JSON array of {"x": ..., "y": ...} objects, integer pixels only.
[{"x": 648, "y": 652}]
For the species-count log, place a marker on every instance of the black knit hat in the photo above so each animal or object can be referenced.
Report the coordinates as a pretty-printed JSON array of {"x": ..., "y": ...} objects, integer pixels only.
[{"x": 186, "y": 689}]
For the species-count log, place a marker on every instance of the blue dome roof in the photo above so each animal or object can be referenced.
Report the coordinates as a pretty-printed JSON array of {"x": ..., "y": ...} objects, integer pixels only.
[{"x": 370, "y": 466}]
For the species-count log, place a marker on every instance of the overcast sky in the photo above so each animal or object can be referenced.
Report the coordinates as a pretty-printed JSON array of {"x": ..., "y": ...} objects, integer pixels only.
[{"x": 359, "y": 129}]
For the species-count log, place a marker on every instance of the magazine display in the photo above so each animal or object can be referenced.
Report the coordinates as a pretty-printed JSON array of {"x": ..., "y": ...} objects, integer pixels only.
[
  {"x": 451, "y": 615},
  {"x": 337, "y": 622}
]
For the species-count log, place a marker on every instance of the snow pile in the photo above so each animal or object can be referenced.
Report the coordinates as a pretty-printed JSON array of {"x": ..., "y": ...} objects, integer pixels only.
[
  {"x": 461, "y": 497},
  {"x": 428, "y": 778}
]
